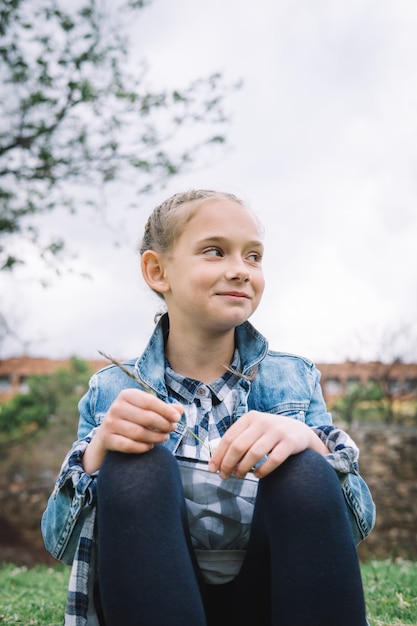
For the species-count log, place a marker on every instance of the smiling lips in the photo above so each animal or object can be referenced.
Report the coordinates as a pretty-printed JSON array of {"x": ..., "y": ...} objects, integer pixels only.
[{"x": 234, "y": 294}]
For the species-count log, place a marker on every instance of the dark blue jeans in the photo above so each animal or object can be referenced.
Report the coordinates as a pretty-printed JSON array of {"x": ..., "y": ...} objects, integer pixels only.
[{"x": 301, "y": 566}]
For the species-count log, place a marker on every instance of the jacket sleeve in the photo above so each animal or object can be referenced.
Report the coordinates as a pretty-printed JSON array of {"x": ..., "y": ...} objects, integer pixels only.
[
  {"x": 343, "y": 452},
  {"x": 344, "y": 458},
  {"x": 73, "y": 496}
]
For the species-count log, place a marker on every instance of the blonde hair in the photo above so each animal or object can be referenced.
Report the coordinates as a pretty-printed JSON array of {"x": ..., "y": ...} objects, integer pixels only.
[{"x": 167, "y": 220}]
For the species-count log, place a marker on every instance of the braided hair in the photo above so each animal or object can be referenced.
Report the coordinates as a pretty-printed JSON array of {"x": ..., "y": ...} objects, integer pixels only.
[{"x": 167, "y": 220}]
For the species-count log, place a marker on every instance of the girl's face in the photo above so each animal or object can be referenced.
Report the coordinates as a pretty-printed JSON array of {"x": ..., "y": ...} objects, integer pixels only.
[{"x": 213, "y": 273}]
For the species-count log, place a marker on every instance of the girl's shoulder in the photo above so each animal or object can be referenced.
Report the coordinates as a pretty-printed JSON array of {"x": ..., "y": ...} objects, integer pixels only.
[
  {"x": 285, "y": 383},
  {"x": 289, "y": 358},
  {"x": 286, "y": 368}
]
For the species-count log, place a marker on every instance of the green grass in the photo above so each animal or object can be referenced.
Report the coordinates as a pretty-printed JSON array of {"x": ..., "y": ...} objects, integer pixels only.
[
  {"x": 36, "y": 596},
  {"x": 32, "y": 596},
  {"x": 391, "y": 592}
]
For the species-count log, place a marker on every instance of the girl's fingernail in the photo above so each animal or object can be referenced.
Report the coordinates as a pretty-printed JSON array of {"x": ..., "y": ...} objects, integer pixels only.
[{"x": 211, "y": 467}]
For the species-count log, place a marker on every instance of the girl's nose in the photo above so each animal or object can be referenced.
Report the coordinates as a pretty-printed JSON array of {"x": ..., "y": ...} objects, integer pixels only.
[{"x": 237, "y": 271}]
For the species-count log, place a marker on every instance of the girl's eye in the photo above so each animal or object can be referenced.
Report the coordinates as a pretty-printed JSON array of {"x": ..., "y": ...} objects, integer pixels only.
[
  {"x": 212, "y": 252},
  {"x": 255, "y": 257}
]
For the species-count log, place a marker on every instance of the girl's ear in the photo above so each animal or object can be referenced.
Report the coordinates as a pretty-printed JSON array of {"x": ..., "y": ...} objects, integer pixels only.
[{"x": 153, "y": 271}]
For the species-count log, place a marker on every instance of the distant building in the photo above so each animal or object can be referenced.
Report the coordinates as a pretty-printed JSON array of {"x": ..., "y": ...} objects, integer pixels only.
[
  {"x": 337, "y": 379},
  {"x": 15, "y": 371},
  {"x": 398, "y": 380}
]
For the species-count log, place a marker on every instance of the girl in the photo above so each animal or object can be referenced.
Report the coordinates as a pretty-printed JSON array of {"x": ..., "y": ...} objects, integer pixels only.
[{"x": 213, "y": 488}]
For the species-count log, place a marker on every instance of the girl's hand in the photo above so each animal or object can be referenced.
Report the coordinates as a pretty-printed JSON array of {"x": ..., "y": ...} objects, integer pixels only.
[
  {"x": 255, "y": 435},
  {"x": 134, "y": 423}
]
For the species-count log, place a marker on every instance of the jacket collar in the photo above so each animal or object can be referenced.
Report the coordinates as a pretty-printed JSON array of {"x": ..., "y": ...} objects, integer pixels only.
[{"x": 150, "y": 367}]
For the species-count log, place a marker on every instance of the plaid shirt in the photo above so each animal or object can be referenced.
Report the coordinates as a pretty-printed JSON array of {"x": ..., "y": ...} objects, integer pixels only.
[{"x": 208, "y": 409}]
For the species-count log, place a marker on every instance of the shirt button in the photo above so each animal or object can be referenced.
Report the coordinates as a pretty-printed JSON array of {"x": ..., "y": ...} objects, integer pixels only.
[{"x": 201, "y": 391}]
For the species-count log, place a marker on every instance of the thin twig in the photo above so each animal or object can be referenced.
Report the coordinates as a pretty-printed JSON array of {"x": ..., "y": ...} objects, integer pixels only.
[{"x": 127, "y": 372}]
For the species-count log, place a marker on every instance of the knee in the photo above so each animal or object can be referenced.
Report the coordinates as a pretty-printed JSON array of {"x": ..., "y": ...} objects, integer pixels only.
[
  {"x": 149, "y": 474},
  {"x": 308, "y": 468},
  {"x": 305, "y": 481}
]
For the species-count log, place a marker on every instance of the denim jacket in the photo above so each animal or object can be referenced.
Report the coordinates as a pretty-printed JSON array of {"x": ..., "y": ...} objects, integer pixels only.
[{"x": 284, "y": 384}]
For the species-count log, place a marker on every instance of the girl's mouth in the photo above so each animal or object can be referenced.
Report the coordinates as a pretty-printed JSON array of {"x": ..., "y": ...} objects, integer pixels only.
[{"x": 234, "y": 294}]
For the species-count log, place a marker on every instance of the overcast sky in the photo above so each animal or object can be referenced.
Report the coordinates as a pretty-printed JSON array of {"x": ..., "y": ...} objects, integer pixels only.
[{"x": 323, "y": 146}]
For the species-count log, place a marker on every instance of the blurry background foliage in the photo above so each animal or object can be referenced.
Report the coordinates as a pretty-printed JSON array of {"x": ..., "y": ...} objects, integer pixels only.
[
  {"x": 79, "y": 114},
  {"x": 372, "y": 404},
  {"x": 49, "y": 400}
]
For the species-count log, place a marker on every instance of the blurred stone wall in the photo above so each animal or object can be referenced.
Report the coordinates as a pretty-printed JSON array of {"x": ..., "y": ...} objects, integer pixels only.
[{"x": 388, "y": 462}]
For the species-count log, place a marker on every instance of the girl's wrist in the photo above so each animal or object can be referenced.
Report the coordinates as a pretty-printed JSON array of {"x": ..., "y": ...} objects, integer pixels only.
[
  {"x": 94, "y": 454},
  {"x": 317, "y": 444}
]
